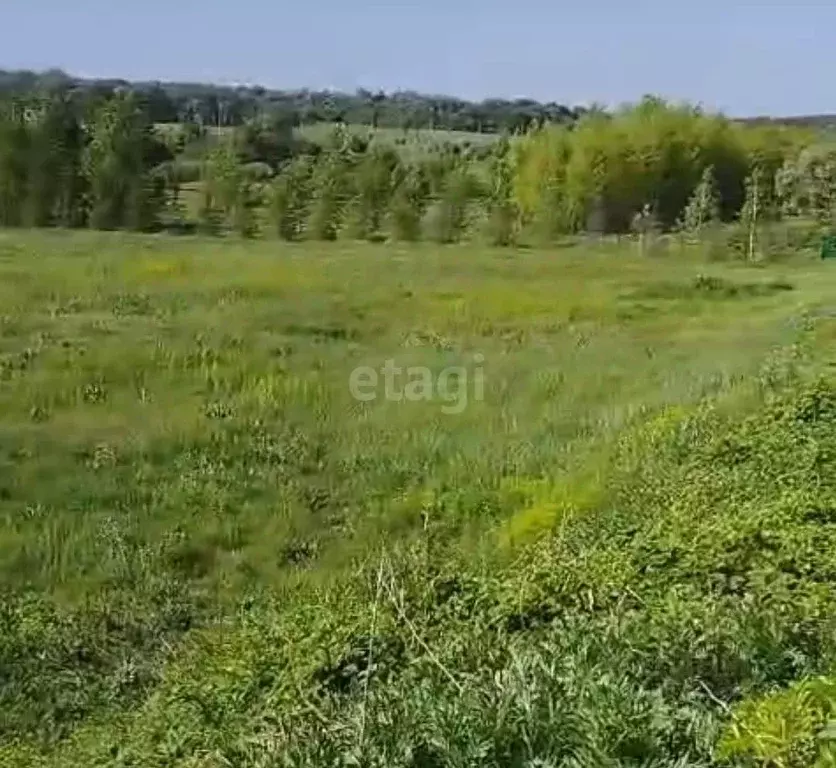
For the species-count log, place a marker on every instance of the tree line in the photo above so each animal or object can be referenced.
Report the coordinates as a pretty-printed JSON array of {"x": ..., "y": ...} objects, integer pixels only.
[
  {"x": 102, "y": 163},
  {"x": 648, "y": 168},
  {"x": 222, "y": 106}
]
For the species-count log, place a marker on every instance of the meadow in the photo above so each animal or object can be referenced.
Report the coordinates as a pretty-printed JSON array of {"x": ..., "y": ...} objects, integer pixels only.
[{"x": 212, "y": 554}]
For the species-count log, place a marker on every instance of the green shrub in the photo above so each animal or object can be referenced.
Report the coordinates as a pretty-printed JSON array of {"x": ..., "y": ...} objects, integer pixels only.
[
  {"x": 447, "y": 218},
  {"x": 290, "y": 198},
  {"x": 330, "y": 185},
  {"x": 408, "y": 205}
]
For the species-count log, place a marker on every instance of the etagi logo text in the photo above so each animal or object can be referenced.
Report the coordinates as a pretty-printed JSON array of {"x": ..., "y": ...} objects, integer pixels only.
[{"x": 454, "y": 386}]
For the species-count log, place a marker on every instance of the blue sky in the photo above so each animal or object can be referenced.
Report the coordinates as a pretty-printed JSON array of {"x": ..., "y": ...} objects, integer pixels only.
[{"x": 744, "y": 58}]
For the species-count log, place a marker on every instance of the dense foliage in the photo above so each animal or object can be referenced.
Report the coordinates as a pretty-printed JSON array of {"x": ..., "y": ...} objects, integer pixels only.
[
  {"x": 61, "y": 165},
  {"x": 651, "y": 155},
  {"x": 101, "y": 162}
]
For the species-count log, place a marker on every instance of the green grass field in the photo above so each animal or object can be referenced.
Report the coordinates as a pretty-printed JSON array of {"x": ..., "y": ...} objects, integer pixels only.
[{"x": 212, "y": 554}]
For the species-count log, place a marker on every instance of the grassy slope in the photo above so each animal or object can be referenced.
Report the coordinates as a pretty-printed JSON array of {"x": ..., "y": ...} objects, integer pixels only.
[{"x": 185, "y": 478}]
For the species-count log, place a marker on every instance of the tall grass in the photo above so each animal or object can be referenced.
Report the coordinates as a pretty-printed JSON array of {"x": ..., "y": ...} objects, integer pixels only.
[{"x": 212, "y": 554}]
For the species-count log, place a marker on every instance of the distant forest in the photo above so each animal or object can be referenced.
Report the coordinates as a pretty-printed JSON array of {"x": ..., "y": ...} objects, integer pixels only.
[{"x": 225, "y": 106}]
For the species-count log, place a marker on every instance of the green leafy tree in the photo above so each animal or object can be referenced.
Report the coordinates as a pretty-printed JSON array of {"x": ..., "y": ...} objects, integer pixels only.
[
  {"x": 373, "y": 181},
  {"x": 70, "y": 208},
  {"x": 290, "y": 198},
  {"x": 540, "y": 192},
  {"x": 106, "y": 165},
  {"x": 245, "y": 211},
  {"x": 651, "y": 154},
  {"x": 44, "y": 166},
  {"x": 56, "y": 187},
  {"x": 267, "y": 139},
  {"x": 223, "y": 178},
  {"x": 325, "y": 214},
  {"x": 753, "y": 212},
  {"x": 502, "y": 210},
  {"x": 120, "y": 163},
  {"x": 14, "y": 153},
  {"x": 409, "y": 203},
  {"x": 703, "y": 208},
  {"x": 331, "y": 189},
  {"x": 806, "y": 185},
  {"x": 447, "y": 218}
]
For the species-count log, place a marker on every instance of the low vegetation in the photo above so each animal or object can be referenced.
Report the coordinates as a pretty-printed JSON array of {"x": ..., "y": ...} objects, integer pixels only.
[{"x": 212, "y": 554}]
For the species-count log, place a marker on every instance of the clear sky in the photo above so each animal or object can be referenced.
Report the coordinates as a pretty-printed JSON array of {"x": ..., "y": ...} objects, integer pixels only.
[{"x": 745, "y": 58}]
